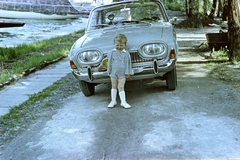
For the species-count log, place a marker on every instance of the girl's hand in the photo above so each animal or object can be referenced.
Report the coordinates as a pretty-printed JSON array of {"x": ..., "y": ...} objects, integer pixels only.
[
  {"x": 100, "y": 68},
  {"x": 128, "y": 76}
]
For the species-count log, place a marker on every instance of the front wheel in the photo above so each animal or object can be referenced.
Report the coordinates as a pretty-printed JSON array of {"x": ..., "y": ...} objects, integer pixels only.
[
  {"x": 87, "y": 88},
  {"x": 171, "y": 79}
]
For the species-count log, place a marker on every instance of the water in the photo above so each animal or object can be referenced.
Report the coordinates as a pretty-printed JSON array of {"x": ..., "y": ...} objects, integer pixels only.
[{"x": 35, "y": 30}]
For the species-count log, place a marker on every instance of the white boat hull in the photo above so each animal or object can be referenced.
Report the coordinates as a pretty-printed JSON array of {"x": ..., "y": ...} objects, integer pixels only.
[
  {"x": 39, "y": 9},
  {"x": 33, "y": 15}
]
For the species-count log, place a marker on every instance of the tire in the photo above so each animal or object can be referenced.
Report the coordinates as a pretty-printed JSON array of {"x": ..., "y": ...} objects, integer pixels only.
[
  {"x": 171, "y": 79},
  {"x": 88, "y": 89}
]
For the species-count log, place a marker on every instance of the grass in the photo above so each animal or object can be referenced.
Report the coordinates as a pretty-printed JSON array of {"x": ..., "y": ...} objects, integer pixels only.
[
  {"x": 221, "y": 55},
  {"x": 227, "y": 71},
  {"x": 27, "y": 56},
  {"x": 235, "y": 60},
  {"x": 16, "y": 113}
]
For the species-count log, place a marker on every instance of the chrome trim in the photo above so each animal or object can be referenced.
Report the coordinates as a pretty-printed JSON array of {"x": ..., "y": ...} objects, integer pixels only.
[
  {"x": 78, "y": 56},
  {"x": 155, "y": 66},
  {"x": 136, "y": 58},
  {"x": 103, "y": 77},
  {"x": 90, "y": 77},
  {"x": 162, "y": 54}
]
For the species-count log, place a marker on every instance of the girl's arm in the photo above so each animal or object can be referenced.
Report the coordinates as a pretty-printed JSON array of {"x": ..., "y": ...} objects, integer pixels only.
[
  {"x": 100, "y": 68},
  {"x": 109, "y": 56},
  {"x": 128, "y": 64}
]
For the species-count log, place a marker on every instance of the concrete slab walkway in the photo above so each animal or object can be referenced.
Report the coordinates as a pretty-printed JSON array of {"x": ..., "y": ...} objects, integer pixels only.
[{"x": 19, "y": 91}]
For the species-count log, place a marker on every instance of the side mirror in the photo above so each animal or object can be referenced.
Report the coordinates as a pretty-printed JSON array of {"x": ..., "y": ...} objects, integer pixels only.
[{"x": 173, "y": 20}]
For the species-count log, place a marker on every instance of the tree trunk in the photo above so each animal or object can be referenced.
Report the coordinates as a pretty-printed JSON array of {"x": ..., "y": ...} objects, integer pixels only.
[
  {"x": 213, "y": 10},
  {"x": 205, "y": 7},
  {"x": 197, "y": 15},
  {"x": 220, "y": 8},
  {"x": 186, "y": 5},
  {"x": 225, "y": 11},
  {"x": 190, "y": 10},
  {"x": 233, "y": 30},
  {"x": 193, "y": 8}
]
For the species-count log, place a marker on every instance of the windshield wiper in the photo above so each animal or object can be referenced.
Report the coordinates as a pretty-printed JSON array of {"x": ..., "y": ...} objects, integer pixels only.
[
  {"x": 147, "y": 19},
  {"x": 100, "y": 25},
  {"x": 134, "y": 21}
]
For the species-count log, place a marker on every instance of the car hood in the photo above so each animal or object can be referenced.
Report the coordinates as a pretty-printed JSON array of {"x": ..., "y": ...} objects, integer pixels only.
[{"x": 136, "y": 34}]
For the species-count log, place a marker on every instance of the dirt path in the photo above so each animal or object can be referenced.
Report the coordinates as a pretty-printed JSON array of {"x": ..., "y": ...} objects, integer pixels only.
[{"x": 199, "y": 120}]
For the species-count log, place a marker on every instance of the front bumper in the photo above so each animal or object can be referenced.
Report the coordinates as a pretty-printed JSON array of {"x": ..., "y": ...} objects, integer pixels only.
[{"x": 93, "y": 76}]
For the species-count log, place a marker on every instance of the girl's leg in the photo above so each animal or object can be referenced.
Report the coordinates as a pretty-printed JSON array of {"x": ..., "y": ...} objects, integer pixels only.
[
  {"x": 114, "y": 82},
  {"x": 113, "y": 93},
  {"x": 121, "y": 84}
]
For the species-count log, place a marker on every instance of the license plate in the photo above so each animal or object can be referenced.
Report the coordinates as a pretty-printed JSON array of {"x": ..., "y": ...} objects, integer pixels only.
[{"x": 137, "y": 70}]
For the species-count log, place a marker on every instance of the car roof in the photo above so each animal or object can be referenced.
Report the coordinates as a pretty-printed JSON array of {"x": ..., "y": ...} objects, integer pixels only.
[{"x": 122, "y": 2}]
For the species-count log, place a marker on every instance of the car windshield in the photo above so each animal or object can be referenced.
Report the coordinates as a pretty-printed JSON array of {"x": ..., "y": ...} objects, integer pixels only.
[{"x": 125, "y": 14}]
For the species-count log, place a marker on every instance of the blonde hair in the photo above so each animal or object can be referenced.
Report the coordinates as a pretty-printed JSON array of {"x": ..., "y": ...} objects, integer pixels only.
[{"x": 121, "y": 38}]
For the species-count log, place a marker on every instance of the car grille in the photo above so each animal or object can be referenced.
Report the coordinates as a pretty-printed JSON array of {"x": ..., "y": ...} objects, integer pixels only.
[{"x": 137, "y": 59}]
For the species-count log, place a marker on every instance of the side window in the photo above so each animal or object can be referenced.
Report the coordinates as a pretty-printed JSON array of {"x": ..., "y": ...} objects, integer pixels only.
[
  {"x": 113, "y": 17},
  {"x": 99, "y": 18},
  {"x": 108, "y": 20},
  {"x": 93, "y": 21},
  {"x": 140, "y": 13},
  {"x": 148, "y": 12},
  {"x": 117, "y": 14},
  {"x": 96, "y": 20},
  {"x": 125, "y": 14}
]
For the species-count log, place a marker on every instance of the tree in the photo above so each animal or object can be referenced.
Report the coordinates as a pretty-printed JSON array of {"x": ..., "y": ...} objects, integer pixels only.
[
  {"x": 220, "y": 7},
  {"x": 213, "y": 9},
  {"x": 233, "y": 30},
  {"x": 192, "y": 11},
  {"x": 197, "y": 13},
  {"x": 205, "y": 8}
]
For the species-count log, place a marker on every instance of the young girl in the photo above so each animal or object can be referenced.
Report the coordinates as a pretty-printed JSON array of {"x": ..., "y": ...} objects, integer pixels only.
[{"x": 119, "y": 68}]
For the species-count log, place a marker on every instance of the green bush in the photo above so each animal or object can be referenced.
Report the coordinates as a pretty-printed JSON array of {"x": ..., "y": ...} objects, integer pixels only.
[{"x": 174, "y": 6}]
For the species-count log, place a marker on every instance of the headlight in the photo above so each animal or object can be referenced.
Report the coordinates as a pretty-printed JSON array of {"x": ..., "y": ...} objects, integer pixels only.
[
  {"x": 153, "y": 50},
  {"x": 89, "y": 57}
]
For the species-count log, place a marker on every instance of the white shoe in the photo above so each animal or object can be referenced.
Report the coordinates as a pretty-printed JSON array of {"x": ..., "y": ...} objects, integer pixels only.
[
  {"x": 123, "y": 100},
  {"x": 113, "y": 97},
  {"x": 112, "y": 104},
  {"x": 125, "y": 105}
]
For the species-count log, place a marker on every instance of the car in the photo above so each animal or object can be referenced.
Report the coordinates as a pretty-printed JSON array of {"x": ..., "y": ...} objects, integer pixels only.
[{"x": 151, "y": 43}]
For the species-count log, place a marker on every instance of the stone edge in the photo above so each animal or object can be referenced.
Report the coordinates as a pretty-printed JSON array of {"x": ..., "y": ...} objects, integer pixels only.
[{"x": 31, "y": 70}]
